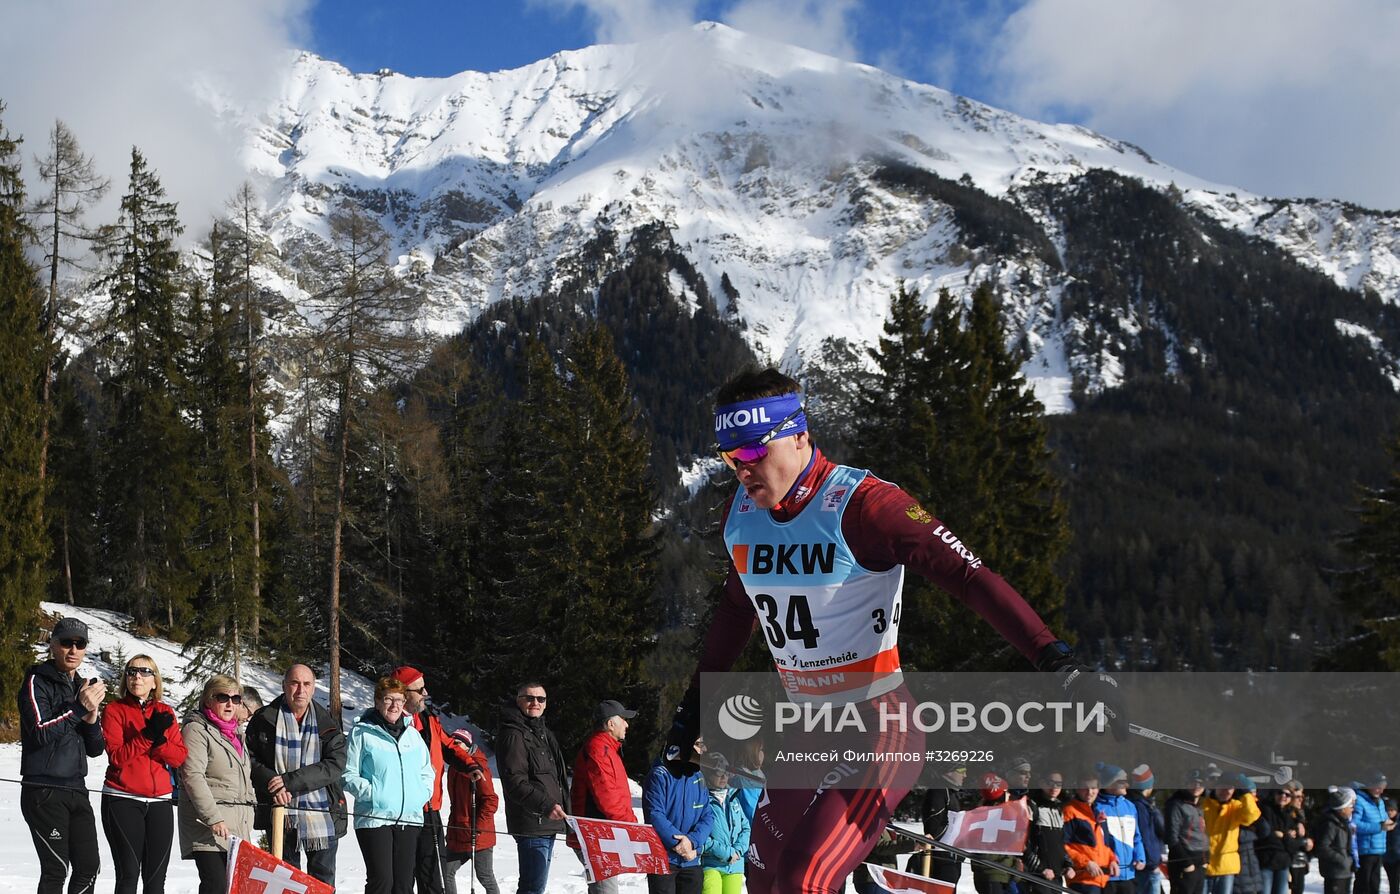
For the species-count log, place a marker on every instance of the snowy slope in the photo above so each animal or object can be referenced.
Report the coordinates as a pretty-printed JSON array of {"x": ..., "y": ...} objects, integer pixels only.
[{"x": 757, "y": 154}]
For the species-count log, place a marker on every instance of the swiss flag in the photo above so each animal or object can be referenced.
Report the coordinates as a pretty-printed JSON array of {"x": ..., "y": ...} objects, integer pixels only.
[
  {"x": 611, "y": 848},
  {"x": 895, "y": 881},
  {"x": 992, "y": 829},
  {"x": 255, "y": 871}
]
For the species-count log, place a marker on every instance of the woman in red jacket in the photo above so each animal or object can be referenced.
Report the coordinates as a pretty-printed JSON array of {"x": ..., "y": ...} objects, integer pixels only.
[{"x": 143, "y": 746}]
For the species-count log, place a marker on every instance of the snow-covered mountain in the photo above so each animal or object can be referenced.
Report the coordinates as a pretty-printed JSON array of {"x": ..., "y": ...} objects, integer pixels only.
[{"x": 761, "y": 159}]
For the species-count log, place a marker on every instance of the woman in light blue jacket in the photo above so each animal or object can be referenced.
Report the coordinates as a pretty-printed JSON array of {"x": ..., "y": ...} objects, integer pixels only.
[
  {"x": 389, "y": 774},
  {"x": 723, "y": 856}
]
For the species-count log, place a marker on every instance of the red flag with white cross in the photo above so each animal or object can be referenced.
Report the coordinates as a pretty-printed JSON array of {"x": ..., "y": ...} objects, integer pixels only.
[
  {"x": 991, "y": 829},
  {"x": 612, "y": 848},
  {"x": 252, "y": 870},
  {"x": 897, "y": 882}
]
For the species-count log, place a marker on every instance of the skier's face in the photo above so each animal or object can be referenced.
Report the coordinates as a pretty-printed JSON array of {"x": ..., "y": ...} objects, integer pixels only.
[{"x": 768, "y": 480}]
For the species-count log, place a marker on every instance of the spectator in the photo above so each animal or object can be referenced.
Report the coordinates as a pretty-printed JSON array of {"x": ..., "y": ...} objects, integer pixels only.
[
  {"x": 143, "y": 746},
  {"x": 675, "y": 802},
  {"x": 748, "y": 784},
  {"x": 1045, "y": 842},
  {"x": 297, "y": 751},
  {"x": 1332, "y": 838},
  {"x": 388, "y": 772},
  {"x": 1298, "y": 869},
  {"x": 1153, "y": 827},
  {"x": 471, "y": 832},
  {"x": 58, "y": 732},
  {"x": 1188, "y": 846},
  {"x": 1392, "y": 849},
  {"x": 1275, "y": 848},
  {"x": 533, "y": 784},
  {"x": 1371, "y": 827},
  {"x": 252, "y": 703},
  {"x": 600, "y": 787},
  {"x": 1018, "y": 777},
  {"x": 215, "y": 783},
  {"x": 1251, "y": 878},
  {"x": 987, "y": 878},
  {"x": 1124, "y": 835},
  {"x": 1091, "y": 858},
  {"x": 442, "y": 751},
  {"x": 1224, "y": 816},
  {"x": 722, "y": 858},
  {"x": 938, "y": 801}
]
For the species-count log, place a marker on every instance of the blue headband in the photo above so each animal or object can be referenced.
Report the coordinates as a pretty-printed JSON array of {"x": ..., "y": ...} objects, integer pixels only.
[{"x": 748, "y": 421}]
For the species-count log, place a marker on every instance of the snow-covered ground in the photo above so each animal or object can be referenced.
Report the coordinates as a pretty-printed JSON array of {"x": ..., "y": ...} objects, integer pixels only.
[{"x": 19, "y": 867}]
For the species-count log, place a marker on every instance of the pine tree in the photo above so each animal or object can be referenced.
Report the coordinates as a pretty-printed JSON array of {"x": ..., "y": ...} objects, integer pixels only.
[
  {"x": 950, "y": 419},
  {"x": 573, "y": 540},
  {"x": 149, "y": 482},
  {"x": 72, "y": 502},
  {"x": 1370, "y": 585},
  {"x": 23, "y": 544},
  {"x": 72, "y": 185},
  {"x": 214, "y": 403},
  {"x": 365, "y": 340}
]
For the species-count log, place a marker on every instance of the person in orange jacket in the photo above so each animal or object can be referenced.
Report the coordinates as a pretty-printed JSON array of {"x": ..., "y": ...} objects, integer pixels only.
[
  {"x": 471, "y": 822},
  {"x": 1224, "y": 815},
  {"x": 1091, "y": 859},
  {"x": 443, "y": 750}
]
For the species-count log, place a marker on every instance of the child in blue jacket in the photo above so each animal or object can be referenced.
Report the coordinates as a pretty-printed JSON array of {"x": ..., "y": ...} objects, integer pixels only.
[
  {"x": 723, "y": 856},
  {"x": 677, "y": 805}
]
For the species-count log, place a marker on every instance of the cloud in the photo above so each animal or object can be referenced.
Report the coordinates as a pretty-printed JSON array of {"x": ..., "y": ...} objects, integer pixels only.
[
  {"x": 143, "y": 73},
  {"x": 1283, "y": 97},
  {"x": 820, "y": 25},
  {"x": 628, "y": 21}
]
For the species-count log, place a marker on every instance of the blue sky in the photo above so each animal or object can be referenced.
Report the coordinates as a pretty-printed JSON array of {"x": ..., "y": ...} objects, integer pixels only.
[{"x": 1280, "y": 97}]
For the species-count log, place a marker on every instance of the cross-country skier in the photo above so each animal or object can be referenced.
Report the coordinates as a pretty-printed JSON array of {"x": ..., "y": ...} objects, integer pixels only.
[{"x": 817, "y": 558}]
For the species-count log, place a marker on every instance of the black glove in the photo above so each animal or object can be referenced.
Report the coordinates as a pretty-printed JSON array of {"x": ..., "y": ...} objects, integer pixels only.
[
  {"x": 685, "y": 727},
  {"x": 156, "y": 726},
  {"x": 1085, "y": 686}
]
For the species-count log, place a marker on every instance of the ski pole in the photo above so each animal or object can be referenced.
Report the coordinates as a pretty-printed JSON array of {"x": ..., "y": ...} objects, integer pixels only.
[{"x": 1280, "y": 775}]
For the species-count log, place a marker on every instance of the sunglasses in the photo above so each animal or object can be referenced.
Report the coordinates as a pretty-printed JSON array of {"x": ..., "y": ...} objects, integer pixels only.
[
  {"x": 748, "y": 454},
  {"x": 73, "y": 643},
  {"x": 225, "y": 698},
  {"x": 532, "y": 698},
  {"x": 1055, "y": 783},
  {"x": 140, "y": 672},
  {"x": 419, "y": 691}
]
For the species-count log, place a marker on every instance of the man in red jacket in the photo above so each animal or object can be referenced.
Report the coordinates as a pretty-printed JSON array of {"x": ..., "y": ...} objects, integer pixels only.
[
  {"x": 442, "y": 750},
  {"x": 601, "y": 789}
]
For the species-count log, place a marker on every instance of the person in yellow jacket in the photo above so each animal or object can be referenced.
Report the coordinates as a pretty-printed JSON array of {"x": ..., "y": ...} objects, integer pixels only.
[{"x": 1224, "y": 814}]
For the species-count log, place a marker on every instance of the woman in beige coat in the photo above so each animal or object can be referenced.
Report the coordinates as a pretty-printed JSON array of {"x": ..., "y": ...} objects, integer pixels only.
[{"x": 216, "y": 784}]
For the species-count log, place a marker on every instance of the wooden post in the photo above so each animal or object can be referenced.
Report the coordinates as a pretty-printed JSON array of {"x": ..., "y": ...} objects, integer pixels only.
[{"x": 274, "y": 834}]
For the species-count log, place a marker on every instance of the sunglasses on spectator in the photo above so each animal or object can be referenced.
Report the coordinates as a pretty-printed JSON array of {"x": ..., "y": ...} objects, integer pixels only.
[
  {"x": 140, "y": 672},
  {"x": 225, "y": 698},
  {"x": 75, "y": 643},
  {"x": 752, "y": 453},
  {"x": 1055, "y": 782},
  {"x": 418, "y": 691},
  {"x": 532, "y": 698}
]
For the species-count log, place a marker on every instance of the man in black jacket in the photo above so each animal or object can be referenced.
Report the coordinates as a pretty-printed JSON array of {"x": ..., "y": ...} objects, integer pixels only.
[
  {"x": 531, "y": 767},
  {"x": 59, "y": 731},
  {"x": 938, "y": 801},
  {"x": 297, "y": 751}
]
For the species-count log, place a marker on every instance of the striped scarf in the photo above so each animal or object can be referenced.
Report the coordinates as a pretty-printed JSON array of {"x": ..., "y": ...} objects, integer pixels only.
[{"x": 308, "y": 813}]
